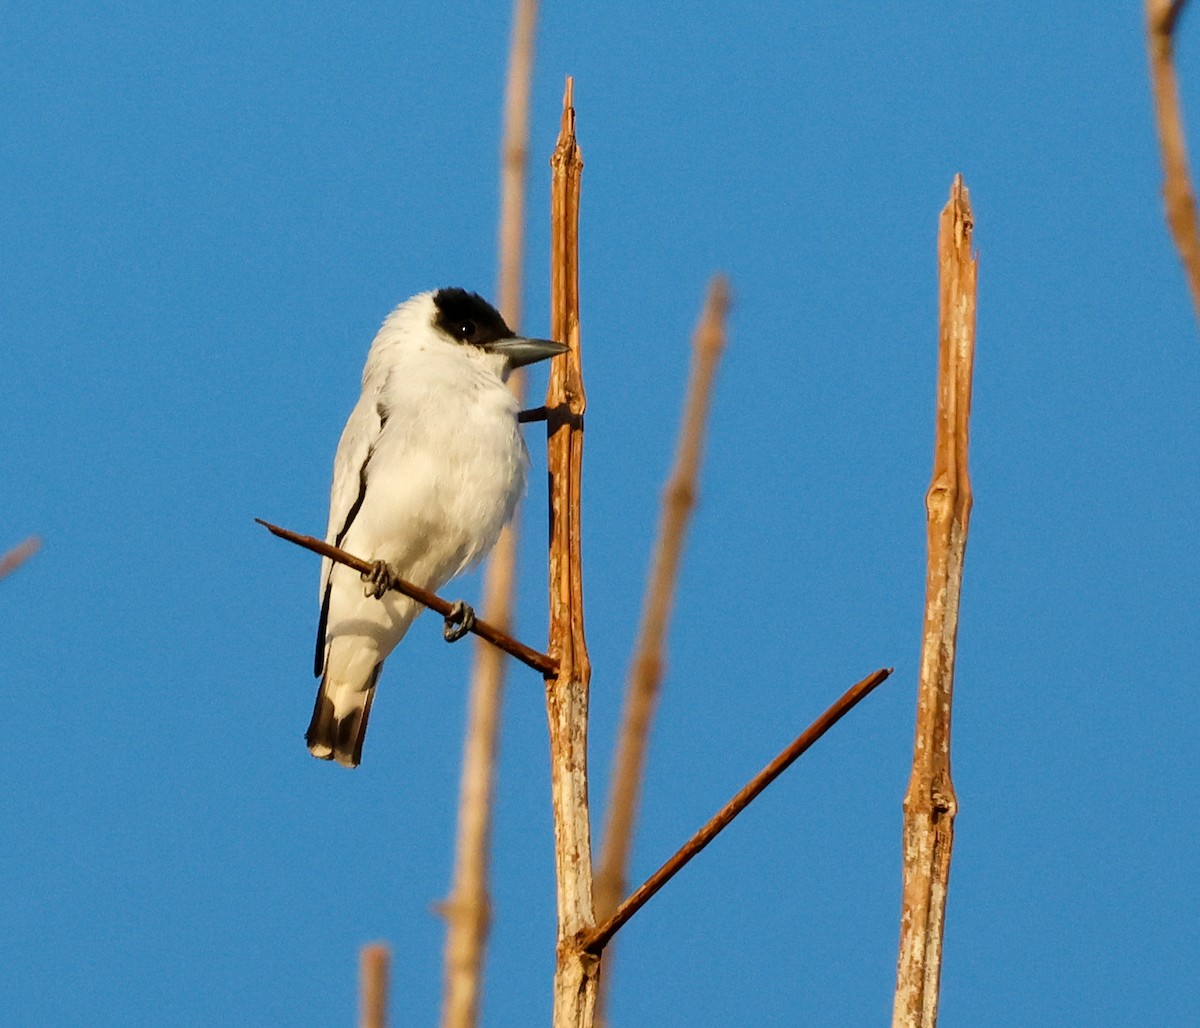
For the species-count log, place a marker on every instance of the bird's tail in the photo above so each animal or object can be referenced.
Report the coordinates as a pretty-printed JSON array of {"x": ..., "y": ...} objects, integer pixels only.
[{"x": 339, "y": 721}]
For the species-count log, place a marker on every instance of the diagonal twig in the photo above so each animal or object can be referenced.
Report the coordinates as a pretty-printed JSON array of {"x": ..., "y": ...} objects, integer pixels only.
[
  {"x": 599, "y": 937},
  {"x": 1162, "y": 18},
  {"x": 17, "y": 556},
  {"x": 525, "y": 654}
]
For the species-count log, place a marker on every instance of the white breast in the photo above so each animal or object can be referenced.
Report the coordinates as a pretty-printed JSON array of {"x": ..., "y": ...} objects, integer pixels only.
[{"x": 448, "y": 466}]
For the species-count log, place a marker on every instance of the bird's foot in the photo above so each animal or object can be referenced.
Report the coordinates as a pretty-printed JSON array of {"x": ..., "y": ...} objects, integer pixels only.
[
  {"x": 459, "y": 621},
  {"x": 378, "y": 579}
]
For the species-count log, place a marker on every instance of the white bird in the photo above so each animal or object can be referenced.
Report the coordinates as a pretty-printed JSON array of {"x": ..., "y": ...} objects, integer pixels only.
[{"x": 430, "y": 466}]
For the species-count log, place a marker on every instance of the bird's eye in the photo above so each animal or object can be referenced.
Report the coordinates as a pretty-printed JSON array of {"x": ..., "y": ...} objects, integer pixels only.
[{"x": 465, "y": 329}]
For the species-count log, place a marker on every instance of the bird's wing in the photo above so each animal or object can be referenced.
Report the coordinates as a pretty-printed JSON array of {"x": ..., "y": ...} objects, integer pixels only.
[{"x": 346, "y": 497}]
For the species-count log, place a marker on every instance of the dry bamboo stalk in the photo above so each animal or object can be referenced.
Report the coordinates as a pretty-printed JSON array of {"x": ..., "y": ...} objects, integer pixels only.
[
  {"x": 17, "y": 556},
  {"x": 468, "y": 908},
  {"x": 646, "y": 669},
  {"x": 1179, "y": 198},
  {"x": 930, "y": 803},
  {"x": 576, "y": 973},
  {"x": 373, "y": 985}
]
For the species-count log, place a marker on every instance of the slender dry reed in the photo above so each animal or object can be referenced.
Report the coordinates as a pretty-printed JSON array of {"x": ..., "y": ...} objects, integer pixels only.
[
  {"x": 930, "y": 803},
  {"x": 1162, "y": 17},
  {"x": 17, "y": 556},
  {"x": 646, "y": 669},
  {"x": 373, "y": 985},
  {"x": 468, "y": 908},
  {"x": 514, "y": 160},
  {"x": 600, "y": 936},
  {"x": 576, "y": 972}
]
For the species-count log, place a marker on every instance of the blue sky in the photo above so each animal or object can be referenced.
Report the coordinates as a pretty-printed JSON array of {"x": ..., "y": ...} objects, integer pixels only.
[{"x": 209, "y": 208}]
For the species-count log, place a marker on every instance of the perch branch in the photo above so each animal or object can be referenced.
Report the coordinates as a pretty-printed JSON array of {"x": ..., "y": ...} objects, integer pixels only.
[
  {"x": 525, "y": 654},
  {"x": 468, "y": 907},
  {"x": 17, "y": 556},
  {"x": 1162, "y": 17},
  {"x": 930, "y": 803},
  {"x": 599, "y": 937},
  {"x": 576, "y": 972}
]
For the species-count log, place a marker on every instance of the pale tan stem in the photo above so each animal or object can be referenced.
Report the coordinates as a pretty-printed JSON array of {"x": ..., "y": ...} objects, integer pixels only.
[
  {"x": 1179, "y": 198},
  {"x": 646, "y": 668},
  {"x": 373, "y": 985},
  {"x": 930, "y": 803},
  {"x": 468, "y": 908},
  {"x": 576, "y": 973},
  {"x": 514, "y": 161}
]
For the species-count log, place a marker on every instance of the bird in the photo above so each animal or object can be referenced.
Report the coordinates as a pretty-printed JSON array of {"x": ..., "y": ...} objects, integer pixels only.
[{"x": 429, "y": 469}]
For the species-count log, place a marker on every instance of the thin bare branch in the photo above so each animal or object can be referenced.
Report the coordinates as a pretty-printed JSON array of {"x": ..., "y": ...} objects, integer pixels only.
[
  {"x": 373, "y": 985},
  {"x": 599, "y": 937},
  {"x": 576, "y": 973},
  {"x": 930, "y": 804},
  {"x": 525, "y": 654},
  {"x": 646, "y": 669},
  {"x": 526, "y": 417},
  {"x": 468, "y": 908},
  {"x": 1162, "y": 17},
  {"x": 17, "y": 556}
]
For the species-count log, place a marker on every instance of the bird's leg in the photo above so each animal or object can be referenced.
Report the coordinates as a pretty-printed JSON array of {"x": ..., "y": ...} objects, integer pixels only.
[
  {"x": 378, "y": 579},
  {"x": 459, "y": 621}
]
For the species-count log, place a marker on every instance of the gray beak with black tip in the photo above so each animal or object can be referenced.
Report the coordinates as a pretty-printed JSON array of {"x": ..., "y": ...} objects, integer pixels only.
[{"x": 521, "y": 352}]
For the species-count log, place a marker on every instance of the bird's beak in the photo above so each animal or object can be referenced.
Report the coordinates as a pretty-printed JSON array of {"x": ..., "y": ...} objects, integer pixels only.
[{"x": 521, "y": 352}]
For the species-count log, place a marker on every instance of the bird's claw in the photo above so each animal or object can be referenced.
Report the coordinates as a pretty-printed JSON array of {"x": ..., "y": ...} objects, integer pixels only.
[
  {"x": 378, "y": 579},
  {"x": 459, "y": 621}
]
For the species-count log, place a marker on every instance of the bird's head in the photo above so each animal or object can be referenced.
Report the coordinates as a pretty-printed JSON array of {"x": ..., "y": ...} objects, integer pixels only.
[{"x": 467, "y": 319}]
